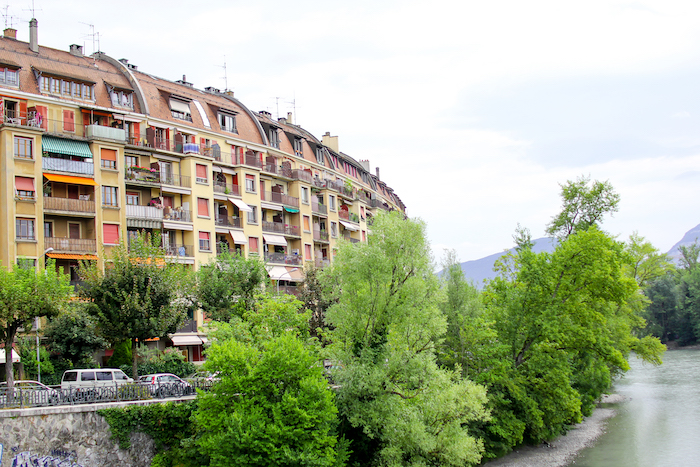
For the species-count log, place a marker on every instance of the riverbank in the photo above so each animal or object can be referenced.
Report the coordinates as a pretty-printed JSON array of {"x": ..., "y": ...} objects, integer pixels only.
[{"x": 564, "y": 449}]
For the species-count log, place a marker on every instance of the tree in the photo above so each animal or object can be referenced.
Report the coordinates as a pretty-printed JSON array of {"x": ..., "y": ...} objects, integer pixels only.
[
  {"x": 74, "y": 335},
  {"x": 315, "y": 299},
  {"x": 584, "y": 204},
  {"x": 227, "y": 286},
  {"x": 139, "y": 295},
  {"x": 400, "y": 407},
  {"x": 25, "y": 294}
]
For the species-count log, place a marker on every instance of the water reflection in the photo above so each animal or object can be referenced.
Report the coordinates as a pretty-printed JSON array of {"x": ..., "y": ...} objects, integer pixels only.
[{"x": 660, "y": 425}]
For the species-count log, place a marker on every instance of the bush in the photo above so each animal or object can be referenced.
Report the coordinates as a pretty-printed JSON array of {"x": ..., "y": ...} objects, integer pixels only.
[
  {"x": 154, "y": 361},
  {"x": 121, "y": 356}
]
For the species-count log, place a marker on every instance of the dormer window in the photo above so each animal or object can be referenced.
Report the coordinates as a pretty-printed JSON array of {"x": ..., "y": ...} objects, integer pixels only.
[
  {"x": 227, "y": 120},
  {"x": 319, "y": 155},
  {"x": 65, "y": 86},
  {"x": 9, "y": 76},
  {"x": 180, "y": 109},
  {"x": 274, "y": 137},
  {"x": 121, "y": 97},
  {"x": 299, "y": 147}
]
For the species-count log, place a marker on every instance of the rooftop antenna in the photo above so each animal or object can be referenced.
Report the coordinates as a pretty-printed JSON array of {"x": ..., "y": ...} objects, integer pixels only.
[
  {"x": 8, "y": 18},
  {"x": 225, "y": 75},
  {"x": 294, "y": 107},
  {"x": 277, "y": 104},
  {"x": 94, "y": 35},
  {"x": 33, "y": 10}
]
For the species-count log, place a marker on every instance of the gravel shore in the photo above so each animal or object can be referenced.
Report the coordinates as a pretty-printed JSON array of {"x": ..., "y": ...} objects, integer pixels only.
[{"x": 564, "y": 449}]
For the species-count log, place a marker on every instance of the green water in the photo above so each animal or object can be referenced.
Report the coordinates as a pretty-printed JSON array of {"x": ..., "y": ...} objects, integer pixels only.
[{"x": 660, "y": 425}]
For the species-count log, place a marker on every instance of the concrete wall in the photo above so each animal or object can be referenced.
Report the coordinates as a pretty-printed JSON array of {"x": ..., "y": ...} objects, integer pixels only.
[{"x": 68, "y": 436}]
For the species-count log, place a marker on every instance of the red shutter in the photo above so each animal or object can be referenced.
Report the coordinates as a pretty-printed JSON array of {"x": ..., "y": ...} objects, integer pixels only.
[
  {"x": 253, "y": 244},
  {"x": 203, "y": 207},
  {"x": 109, "y": 155},
  {"x": 110, "y": 234},
  {"x": 23, "y": 110},
  {"x": 44, "y": 112},
  {"x": 204, "y": 235},
  {"x": 24, "y": 184},
  {"x": 136, "y": 131},
  {"x": 201, "y": 171},
  {"x": 68, "y": 120}
]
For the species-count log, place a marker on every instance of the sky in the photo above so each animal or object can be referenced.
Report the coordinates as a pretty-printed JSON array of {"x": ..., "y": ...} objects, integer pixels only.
[{"x": 474, "y": 111}]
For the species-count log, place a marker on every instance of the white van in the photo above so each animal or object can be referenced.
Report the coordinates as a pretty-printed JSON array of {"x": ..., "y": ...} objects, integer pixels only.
[{"x": 90, "y": 378}]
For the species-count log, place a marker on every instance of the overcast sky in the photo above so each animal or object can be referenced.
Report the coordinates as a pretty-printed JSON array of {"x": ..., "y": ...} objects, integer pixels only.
[{"x": 474, "y": 111}]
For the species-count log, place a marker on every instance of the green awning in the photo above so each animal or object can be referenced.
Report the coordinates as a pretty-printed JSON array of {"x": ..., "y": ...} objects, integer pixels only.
[
  {"x": 292, "y": 210},
  {"x": 65, "y": 146}
]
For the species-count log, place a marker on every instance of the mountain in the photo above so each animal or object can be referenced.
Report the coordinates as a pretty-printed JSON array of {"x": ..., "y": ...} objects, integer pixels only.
[
  {"x": 688, "y": 239},
  {"x": 480, "y": 269}
]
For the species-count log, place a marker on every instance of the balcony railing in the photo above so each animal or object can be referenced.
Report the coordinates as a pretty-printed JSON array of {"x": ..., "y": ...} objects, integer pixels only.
[
  {"x": 105, "y": 132},
  {"x": 179, "y": 250},
  {"x": 228, "y": 221},
  {"x": 253, "y": 161},
  {"x": 321, "y": 263},
  {"x": 189, "y": 326},
  {"x": 321, "y": 235},
  {"x": 142, "y": 176},
  {"x": 270, "y": 168},
  {"x": 350, "y": 239},
  {"x": 52, "y": 203},
  {"x": 298, "y": 174},
  {"x": 30, "y": 119},
  {"x": 349, "y": 216},
  {"x": 144, "y": 212},
  {"x": 176, "y": 214},
  {"x": 227, "y": 188},
  {"x": 282, "y": 258},
  {"x": 280, "y": 228},
  {"x": 175, "y": 180},
  {"x": 318, "y": 208},
  {"x": 377, "y": 203},
  {"x": 281, "y": 198},
  {"x": 71, "y": 245},
  {"x": 64, "y": 165},
  {"x": 289, "y": 290}
]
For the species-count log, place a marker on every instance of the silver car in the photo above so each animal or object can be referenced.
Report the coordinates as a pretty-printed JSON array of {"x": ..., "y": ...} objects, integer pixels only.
[
  {"x": 28, "y": 392},
  {"x": 166, "y": 384}
]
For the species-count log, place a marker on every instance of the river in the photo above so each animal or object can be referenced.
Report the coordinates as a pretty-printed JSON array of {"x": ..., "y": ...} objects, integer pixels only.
[{"x": 659, "y": 424}]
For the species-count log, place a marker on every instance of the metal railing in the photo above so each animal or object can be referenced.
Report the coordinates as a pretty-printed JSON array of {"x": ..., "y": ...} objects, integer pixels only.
[
  {"x": 321, "y": 235},
  {"x": 298, "y": 174},
  {"x": 65, "y": 165},
  {"x": 350, "y": 239},
  {"x": 189, "y": 326},
  {"x": 227, "y": 188},
  {"x": 144, "y": 212},
  {"x": 318, "y": 208},
  {"x": 71, "y": 245},
  {"x": 175, "y": 180},
  {"x": 179, "y": 250},
  {"x": 228, "y": 221},
  {"x": 283, "y": 258},
  {"x": 284, "y": 229},
  {"x": 176, "y": 214},
  {"x": 52, "y": 203},
  {"x": 142, "y": 176}
]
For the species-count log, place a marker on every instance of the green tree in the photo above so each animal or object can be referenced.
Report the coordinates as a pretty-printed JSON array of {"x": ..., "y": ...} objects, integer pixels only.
[
  {"x": 25, "y": 294},
  {"x": 74, "y": 335},
  {"x": 26, "y": 347},
  {"x": 139, "y": 295},
  {"x": 227, "y": 286},
  {"x": 315, "y": 299},
  {"x": 392, "y": 393}
]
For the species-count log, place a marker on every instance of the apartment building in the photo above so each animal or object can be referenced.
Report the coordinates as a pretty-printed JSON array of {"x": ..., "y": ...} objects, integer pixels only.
[{"x": 94, "y": 151}]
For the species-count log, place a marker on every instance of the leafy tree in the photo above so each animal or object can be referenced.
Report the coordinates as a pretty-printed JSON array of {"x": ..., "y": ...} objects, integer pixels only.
[
  {"x": 74, "y": 335},
  {"x": 645, "y": 262},
  {"x": 227, "y": 286},
  {"x": 26, "y": 347},
  {"x": 138, "y": 296},
  {"x": 169, "y": 360},
  {"x": 25, "y": 294},
  {"x": 392, "y": 393},
  {"x": 584, "y": 204},
  {"x": 315, "y": 299}
]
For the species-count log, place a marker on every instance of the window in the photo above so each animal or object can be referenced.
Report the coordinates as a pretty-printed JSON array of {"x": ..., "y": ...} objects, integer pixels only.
[
  {"x": 67, "y": 88},
  {"x": 180, "y": 109},
  {"x": 299, "y": 147},
  {"x": 204, "y": 243},
  {"x": 304, "y": 195},
  {"x": 25, "y": 229},
  {"x": 331, "y": 202},
  {"x": 307, "y": 252},
  {"x": 253, "y": 215},
  {"x": 109, "y": 158},
  {"x": 23, "y": 147},
  {"x": 334, "y": 229},
  {"x": 109, "y": 196},
  {"x": 319, "y": 155},
  {"x": 274, "y": 137},
  {"x": 253, "y": 244},
  {"x": 121, "y": 98},
  {"x": 250, "y": 183},
  {"x": 24, "y": 188},
  {"x": 202, "y": 207},
  {"x": 132, "y": 199},
  {"x": 110, "y": 234},
  {"x": 9, "y": 77},
  {"x": 68, "y": 120},
  {"x": 48, "y": 229},
  {"x": 307, "y": 224},
  {"x": 131, "y": 161},
  {"x": 202, "y": 173},
  {"x": 228, "y": 122}
]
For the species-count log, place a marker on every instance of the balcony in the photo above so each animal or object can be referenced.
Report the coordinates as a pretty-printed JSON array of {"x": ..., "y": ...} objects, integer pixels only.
[
  {"x": 377, "y": 203},
  {"x": 350, "y": 239},
  {"x": 280, "y": 198},
  {"x": 71, "y": 245},
  {"x": 177, "y": 214},
  {"x": 253, "y": 161},
  {"x": 142, "y": 176},
  {"x": 321, "y": 263},
  {"x": 179, "y": 250},
  {"x": 270, "y": 168},
  {"x": 69, "y": 206},
  {"x": 105, "y": 132},
  {"x": 283, "y": 258},
  {"x": 30, "y": 119},
  {"x": 321, "y": 236},
  {"x": 65, "y": 165},
  {"x": 227, "y": 188},
  {"x": 228, "y": 221},
  {"x": 349, "y": 216},
  {"x": 298, "y": 174},
  {"x": 175, "y": 180},
  {"x": 280, "y": 228},
  {"x": 188, "y": 326},
  {"x": 144, "y": 212},
  {"x": 289, "y": 290},
  {"x": 318, "y": 208}
]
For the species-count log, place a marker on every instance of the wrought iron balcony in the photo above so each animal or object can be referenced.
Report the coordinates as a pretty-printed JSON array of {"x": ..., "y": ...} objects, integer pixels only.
[{"x": 227, "y": 188}]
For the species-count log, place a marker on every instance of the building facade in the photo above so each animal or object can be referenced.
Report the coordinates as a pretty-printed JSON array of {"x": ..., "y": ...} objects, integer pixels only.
[{"x": 94, "y": 151}]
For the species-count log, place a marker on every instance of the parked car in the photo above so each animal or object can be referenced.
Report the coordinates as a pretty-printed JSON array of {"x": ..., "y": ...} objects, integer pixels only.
[
  {"x": 93, "y": 379},
  {"x": 166, "y": 384},
  {"x": 30, "y": 392},
  {"x": 203, "y": 376}
]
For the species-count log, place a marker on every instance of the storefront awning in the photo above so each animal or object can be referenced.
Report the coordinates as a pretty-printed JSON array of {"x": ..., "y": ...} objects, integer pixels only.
[
  {"x": 70, "y": 179},
  {"x": 292, "y": 210},
  {"x": 275, "y": 240},
  {"x": 274, "y": 207},
  {"x": 65, "y": 146},
  {"x": 349, "y": 226},
  {"x": 238, "y": 237},
  {"x": 241, "y": 205},
  {"x": 186, "y": 340},
  {"x": 15, "y": 356},
  {"x": 71, "y": 256}
]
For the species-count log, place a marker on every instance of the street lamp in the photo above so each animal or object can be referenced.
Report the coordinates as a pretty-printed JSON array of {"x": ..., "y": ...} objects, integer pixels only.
[
  {"x": 36, "y": 324},
  {"x": 282, "y": 275}
]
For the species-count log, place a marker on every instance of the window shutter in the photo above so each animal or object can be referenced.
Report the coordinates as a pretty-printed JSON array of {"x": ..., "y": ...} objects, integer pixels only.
[
  {"x": 68, "y": 120},
  {"x": 201, "y": 171},
  {"x": 203, "y": 206},
  {"x": 109, "y": 155},
  {"x": 151, "y": 136},
  {"x": 110, "y": 234},
  {"x": 204, "y": 235},
  {"x": 24, "y": 183},
  {"x": 253, "y": 244}
]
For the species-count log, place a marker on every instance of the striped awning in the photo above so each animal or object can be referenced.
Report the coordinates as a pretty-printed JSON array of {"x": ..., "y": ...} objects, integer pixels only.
[
  {"x": 71, "y": 256},
  {"x": 65, "y": 146}
]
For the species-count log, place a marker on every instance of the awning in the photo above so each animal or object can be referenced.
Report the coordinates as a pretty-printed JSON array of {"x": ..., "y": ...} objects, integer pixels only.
[
  {"x": 15, "y": 356},
  {"x": 349, "y": 226},
  {"x": 270, "y": 206},
  {"x": 179, "y": 106},
  {"x": 65, "y": 146},
  {"x": 177, "y": 226},
  {"x": 241, "y": 205},
  {"x": 162, "y": 126},
  {"x": 275, "y": 240},
  {"x": 296, "y": 274},
  {"x": 70, "y": 179},
  {"x": 71, "y": 256},
  {"x": 186, "y": 340},
  {"x": 292, "y": 210},
  {"x": 278, "y": 272},
  {"x": 126, "y": 118},
  {"x": 238, "y": 237},
  {"x": 225, "y": 170}
]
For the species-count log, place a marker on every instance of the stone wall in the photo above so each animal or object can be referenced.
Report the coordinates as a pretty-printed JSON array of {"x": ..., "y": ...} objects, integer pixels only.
[{"x": 68, "y": 436}]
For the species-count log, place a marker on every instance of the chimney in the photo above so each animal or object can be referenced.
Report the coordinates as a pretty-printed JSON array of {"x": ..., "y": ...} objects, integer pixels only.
[
  {"x": 330, "y": 141},
  {"x": 282, "y": 120},
  {"x": 10, "y": 33},
  {"x": 76, "y": 50},
  {"x": 184, "y": 81},
  {"x": 365, "y": 164},
  {"x": 34, "y": 35},
  {"x": 289, "y": 118},
  {"x": 228, "y": 93},
  {"x": 378, "y": 174}
]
